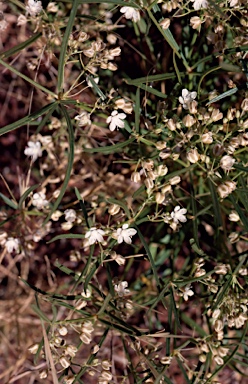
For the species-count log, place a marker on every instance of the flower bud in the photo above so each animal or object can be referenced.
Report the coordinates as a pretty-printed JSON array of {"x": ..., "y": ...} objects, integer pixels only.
[
  {"x": 227, "y": 162},
  {"x": 33, "y": 348},
  {"x": 218, "y": 150},
  {"x": 162, "y": 170},
  {"x": 114, "y": 209},
  {"x": 207, "y": 138},
  {"x": 160, "y": 145},
  {"x": 135, "y": 177},
  {"x": 149, "y": 183},
  {"x": 234, "y": 216},
  {"x": 189, "y": 121},
  {"x": 165, "y": 23},
  {"x": 43, "y": 374},
  {"x": 64, "y": 362},
  {"x": 193, "y": 156},
  {"x": 63, "y": 330},
  {"x": 159, "y": 197},
  {"x": 218, "y": 325},
  {"x": 175, "y": 180},
  {"x": 171, "y": 125},
  {"x": 195, "y": 22}
]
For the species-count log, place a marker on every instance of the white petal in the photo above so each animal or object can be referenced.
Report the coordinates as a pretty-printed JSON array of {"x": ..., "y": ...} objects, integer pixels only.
[
  {"x": 112, "y": 126},
  {"x": 184, "y": 92}
]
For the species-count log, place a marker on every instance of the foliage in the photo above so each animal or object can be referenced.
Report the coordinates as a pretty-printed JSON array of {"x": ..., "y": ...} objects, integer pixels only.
[{"x": 132, "y": 193}]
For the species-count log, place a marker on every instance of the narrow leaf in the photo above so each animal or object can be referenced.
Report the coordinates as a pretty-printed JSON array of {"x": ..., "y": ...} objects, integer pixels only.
[
  {"x": 70, "y": 163},
  {"x": 30, "y": 81},
  {"x": 66, "y": 236},
  {"x": 110, "y": 149},
  {"x": 63, "y": 49},
  {"x": 8, "y": 201},
  {"x": 82, "y": 206},
  {"x": 26, "y": 120},
  {"x": 149, "y": 256},
  {"x": 20, "y": 47}
]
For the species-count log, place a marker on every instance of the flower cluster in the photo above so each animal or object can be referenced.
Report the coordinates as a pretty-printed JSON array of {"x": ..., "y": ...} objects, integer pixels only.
[
  {"x": 33, "y": 150},
  {"x": 123, "y": 234}
]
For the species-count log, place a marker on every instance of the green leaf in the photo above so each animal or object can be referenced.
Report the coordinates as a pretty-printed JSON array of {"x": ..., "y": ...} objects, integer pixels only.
[
  {"x": 142, "y": 239},
  {"x": 46, "y": 118},
  {"x": 152, "y": 78},
  {"x": 174, "y": 309},
  {"x": 8, "y": 201},
  {"x": 26, "y": 120},
  {"x": 240, "y": 167},
  {"x": 115, "y": 2},
  {"x": 194, "y": 326},
  {"x": 85, "y": 270},
  {"x": 216, "y": 54},
  {"x": 30, "y": 81},
  {"x": 195, "y": 247},
  {"x": 63, "y": 49},
  {"x": 240, "y": 212},
  {"x": 216, "y": 206},
  {"x": 19, "y": 47},
  {"x": 40, "y": 313},
  {"x": 181, "y": 366},
  {"x": 66, "y": 236},
  {"x": 194, "y": 210},
  {"x": 137, "y": 111},
  {"x": 230, "y": 92},
  {"x": 82, "y": 205},
  {"x": 110, "y": 149},
  {"x": 96, "y": 88},
  {"x": 243, "y": 193},
  {"x": 149, "y": 89},
  {"x": 166, "y": 33},
  {"x": 66, "y": 270},
  {"x": 223, "y": 292},
  {"x": 70, "y": 163}
]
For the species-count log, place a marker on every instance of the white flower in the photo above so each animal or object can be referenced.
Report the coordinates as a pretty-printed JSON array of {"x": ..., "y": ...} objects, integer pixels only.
[
  {"x": 198, "y": 4},
  {"x": 39, "y": 200},
  {"x": 121, "y": 288},
  {"x": 33, "y": 7},
  {"x": 227, "y": 162},
  {"x": 187, "y": 292},
  {"x": 233, "y": 3},
  {"x": 125, "y": 234},
  {"x": 52, "y": 7},
  {"x": 12, "y": 244},
  {"x": 70, "y": 215},
  {"x": 195, "y": 22},
  {"x": 22, "y": 20},
  {"x": 116, "y": 120},
  {"x": 34, "y": 150},
  {"x": 233, "y": 216},
  {"x": 3, "y": 24},
  {"x": 179, "y": 215},
  {"x": 131, "y": 13},
  {"x": 94, "y": 235},
  {"x": 84, "y": 119},
  {"x": 225, "y": 189},
  {"x": 186, "y": 98}
]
